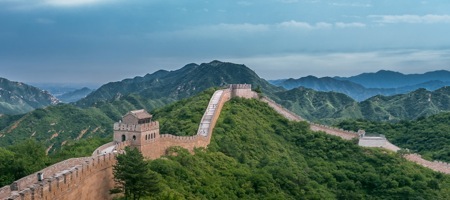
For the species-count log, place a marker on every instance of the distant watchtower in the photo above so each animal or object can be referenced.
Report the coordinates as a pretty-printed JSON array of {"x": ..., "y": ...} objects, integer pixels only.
[
  {"x": 242, "y": 90},
  {"x": 138, "y": 127}
]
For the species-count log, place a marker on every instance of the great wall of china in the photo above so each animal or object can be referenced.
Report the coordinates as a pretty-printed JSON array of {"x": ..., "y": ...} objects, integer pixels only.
[{"x": 91, "y": 177}]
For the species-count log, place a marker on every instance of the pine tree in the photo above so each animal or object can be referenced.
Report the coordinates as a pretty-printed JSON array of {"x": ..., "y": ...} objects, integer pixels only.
[{"x": 133, "y": 176}]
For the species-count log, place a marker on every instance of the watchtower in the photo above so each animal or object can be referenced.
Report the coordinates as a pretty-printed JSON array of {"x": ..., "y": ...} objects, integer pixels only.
[
  {"x": 138, "y": 127},
  {"x": 242, "y": 90}
]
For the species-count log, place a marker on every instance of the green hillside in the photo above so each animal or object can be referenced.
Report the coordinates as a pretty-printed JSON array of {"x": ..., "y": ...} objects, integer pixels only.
[
  {"x": 428, "y": 136},
  {"x": 257, "y": 154},
  {"x": 332, "y": 107},
  {"x": 412, "y": 105},
  {"x": 55, "y": 125},
  {"x": 319, "y": 106}
]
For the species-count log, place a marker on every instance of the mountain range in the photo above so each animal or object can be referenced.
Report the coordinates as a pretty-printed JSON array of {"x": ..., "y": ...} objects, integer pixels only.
[
  {"x": 93, "y": 115},
  {"x": 19, "y": 98},
  {"x": 367, "y": 85},
  {"x": 189, "y": 80},
  {"x": 330, "y": 107},
  {"x": 390, "y": 79}
]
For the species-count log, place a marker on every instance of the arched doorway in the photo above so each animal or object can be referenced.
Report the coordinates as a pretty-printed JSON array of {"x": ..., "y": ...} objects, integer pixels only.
[{"x": 124, "y": 138}]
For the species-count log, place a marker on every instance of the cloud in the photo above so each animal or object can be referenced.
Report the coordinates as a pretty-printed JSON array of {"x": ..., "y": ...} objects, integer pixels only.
[
  {"x": 349, "y": 25},
  {"x": 305, "y": 25},
  {"x": 411, "y": 19},
  {"x": 28, "y": 5}
]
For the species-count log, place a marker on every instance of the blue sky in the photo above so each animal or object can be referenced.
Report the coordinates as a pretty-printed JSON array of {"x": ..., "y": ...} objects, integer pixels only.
[{"x": 98, "y": 41}]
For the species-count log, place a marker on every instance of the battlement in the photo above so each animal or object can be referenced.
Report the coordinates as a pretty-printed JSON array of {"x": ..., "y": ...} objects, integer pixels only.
[
  {"x": 179, "y": 138},
  {"x": 62, "y": 179},
  {"x": 434, "y": 165},
  {"x": 119, "y": 126},
  {"x": 240, "y": 86}
]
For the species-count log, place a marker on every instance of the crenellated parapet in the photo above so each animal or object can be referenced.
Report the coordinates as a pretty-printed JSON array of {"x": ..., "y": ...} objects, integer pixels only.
[
  {"x": 240, "y": 86},
  {"x": 178, "y": 138},
  {"x": 119, "y": 126},
  {"x": 434, "y": 165},
  {"x": 243, "y": 91},
  {"x": 65, "y": 180}
]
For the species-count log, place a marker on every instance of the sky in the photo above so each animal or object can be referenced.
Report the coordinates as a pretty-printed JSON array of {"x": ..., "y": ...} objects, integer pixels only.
[{"x": 99, "y": 41}]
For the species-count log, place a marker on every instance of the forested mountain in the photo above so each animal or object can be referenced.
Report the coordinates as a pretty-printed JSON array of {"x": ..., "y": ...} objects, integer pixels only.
[
  {"x": 329, "y": 107},
  {"x": 319, "y": 106},
  {"x": 19, "y": 98},
  {"x": 169, "y": 86},
  {"x": 354, "y": 90},
  {"x": 412, "y": 105},
  {"x": 390, "y": 79}
]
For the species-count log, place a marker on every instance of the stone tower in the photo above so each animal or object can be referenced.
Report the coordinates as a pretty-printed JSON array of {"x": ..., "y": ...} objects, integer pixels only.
[
  {"x": 138, "y": 127},
  {"x": 242, "y": 90}
]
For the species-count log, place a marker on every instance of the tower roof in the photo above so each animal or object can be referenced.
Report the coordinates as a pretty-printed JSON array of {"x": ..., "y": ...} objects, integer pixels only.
[{"x": 140, "y": 114}]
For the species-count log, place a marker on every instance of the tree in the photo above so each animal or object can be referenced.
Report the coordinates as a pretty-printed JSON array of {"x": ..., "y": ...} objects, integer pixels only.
[
  {"x": 133, "y": 176},
  {"x": 6, "y": 167}
]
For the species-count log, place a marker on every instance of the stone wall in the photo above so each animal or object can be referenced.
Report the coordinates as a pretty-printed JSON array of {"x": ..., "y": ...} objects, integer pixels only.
[
  {"x": 281, "y": 110},
  {"x": 103, "y": 147},
  {"x": 78, "y": 178},
  {"x": 159, "y": 146},
  {"x": 372, "y": 141},
  {"x": 242, "y": 90},
  {"x": 434, "y": 165}
]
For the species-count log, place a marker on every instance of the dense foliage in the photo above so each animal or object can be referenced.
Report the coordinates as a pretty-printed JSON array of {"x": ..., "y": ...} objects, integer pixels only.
[
  {"x": 29, "y": 156},
  {"x": 257, "y": 154},
  {"x": 21, "y": 159},
  {"x": 428, "y": 136}
]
